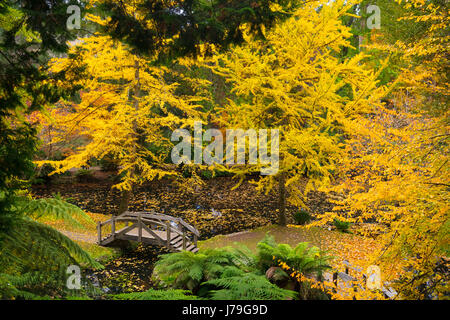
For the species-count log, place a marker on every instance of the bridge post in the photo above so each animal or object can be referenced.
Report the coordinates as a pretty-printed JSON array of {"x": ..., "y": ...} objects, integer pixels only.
[
  {"x": 195, "y": 239},
  {"x": 113, "y": 226},
  {"x": 99, "y": 232},
  {"x": 335, "y": 281},
  {"x": 140, "y": 227},
  {"x": 168, "y": 233},
  {"x": 184, "y": 240}
]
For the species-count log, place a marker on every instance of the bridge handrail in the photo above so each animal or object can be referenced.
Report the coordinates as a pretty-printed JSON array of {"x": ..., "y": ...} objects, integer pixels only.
[
  {"x": 388, "y": 291},
  {"x": 154, "y": 218},
  {"x": 172, "y": 229},
  {"x": 161, "y": 216}
]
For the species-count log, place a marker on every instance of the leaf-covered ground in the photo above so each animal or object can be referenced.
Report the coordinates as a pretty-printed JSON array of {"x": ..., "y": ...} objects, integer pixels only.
[
  {"x": 343, "y": 246},
  {"x": 214, "y": 209}
]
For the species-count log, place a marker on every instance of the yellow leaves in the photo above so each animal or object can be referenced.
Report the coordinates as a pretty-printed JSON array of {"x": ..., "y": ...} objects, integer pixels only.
[
  {"x": 293, "y": 87},
  {"x": 430, "y": 49},
  {"x": 126, "y": 106},
  {"x": 97, "y": 19},
  {"x": 393, "y": 167}
]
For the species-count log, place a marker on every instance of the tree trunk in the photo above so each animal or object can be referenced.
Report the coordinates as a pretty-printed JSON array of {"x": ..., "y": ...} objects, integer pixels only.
[
  {"x": 363, "y": 26},
  {"x": 124, "y": 201},
  {"x": 126, "y": 194},
  {"x": 282, "y": 199}
]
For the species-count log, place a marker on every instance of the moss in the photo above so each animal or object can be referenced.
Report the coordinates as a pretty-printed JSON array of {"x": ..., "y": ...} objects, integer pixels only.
[{"x": 99, "y": 253}]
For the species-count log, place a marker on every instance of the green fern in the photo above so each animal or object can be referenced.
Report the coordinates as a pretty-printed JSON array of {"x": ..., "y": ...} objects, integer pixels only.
[
  {"x": 35, "y": 256},
  {"x": 303, "y": 258},
  {"x": 187, "y": 270},
  {"x": 247, "y": 286},
  {"x": 54, "y": 208},
  {"x": 156, "y": 295},
  {"x": 10, "y": 285}
]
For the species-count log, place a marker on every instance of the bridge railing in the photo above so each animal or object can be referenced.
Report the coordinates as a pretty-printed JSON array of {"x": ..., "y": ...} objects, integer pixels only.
[
  {"x": 347, "y": 277},
  {"x": 149, "y": 221}
]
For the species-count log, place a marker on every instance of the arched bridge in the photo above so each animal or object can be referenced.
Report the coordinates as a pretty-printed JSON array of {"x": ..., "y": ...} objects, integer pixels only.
[{"x": 150, "y": 228}]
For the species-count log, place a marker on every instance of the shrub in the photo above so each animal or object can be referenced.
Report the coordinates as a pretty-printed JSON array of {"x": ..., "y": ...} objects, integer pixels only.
[
  {"x": 222, "y": 173},
  {"x": 187, "y": 270},
  {"x": 342, "y": 226},
  {"x": 152, "y": 294},
  {"x": 187, "y": 172},
  {"x": 303, "y": 258},
  {"x": 84, "y": 175},
  {"x": 248, "y": 286},
  {"x": 206, "y": 174},
  {"x": 302, "y": 217},
  {"x": 237, "y": 274}
]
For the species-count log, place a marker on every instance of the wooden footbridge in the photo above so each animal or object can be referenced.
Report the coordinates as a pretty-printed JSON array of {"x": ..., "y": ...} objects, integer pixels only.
[{"x": 149, "y": 228}]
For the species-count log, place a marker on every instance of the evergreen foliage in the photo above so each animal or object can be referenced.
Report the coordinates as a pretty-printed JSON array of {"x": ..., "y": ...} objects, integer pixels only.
[
  {"x": 153, "y": 294},
  {"x": 237, "y": 274},
  {"x": 187, "y": 270},
  {"x": 342, "y": 226},
  {"x": 248, "y": 286},
  {"x": 303, "y": 258},
  {"x": 302, "y": 217},
  {"x": 35, "y": 256},
  {"x": 178, "y": 28}
]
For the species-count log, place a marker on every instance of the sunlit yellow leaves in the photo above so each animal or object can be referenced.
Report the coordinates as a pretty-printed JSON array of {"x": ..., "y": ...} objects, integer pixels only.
[
  {"x": 118, "y": 120},
  {"x": 291, "y": 82}
]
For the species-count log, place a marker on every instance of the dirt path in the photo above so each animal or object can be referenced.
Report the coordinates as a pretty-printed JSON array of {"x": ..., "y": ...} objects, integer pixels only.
[{"x": 80, "y": 236}]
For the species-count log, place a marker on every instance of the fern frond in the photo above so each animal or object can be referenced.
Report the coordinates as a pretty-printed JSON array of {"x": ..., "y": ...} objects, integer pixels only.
[
  {"x": 302, "y": 258},
  {"x": 156, "y": 295},
  {"x": 247, "y": 287},
  {"x": 10, "y": 285},
  {"x": 32, "y": 243},
  {"x": 54, "y": 208},
  {"x": 186, "y": 270}
]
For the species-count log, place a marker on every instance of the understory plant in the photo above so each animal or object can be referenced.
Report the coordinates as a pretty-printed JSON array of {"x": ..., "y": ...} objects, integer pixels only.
[
  {"x": 247, "y": 286},
  {"x": 342, "y": 226},
  {"x": 35, "y": 256},
  {"x": 152, "y": 294},
  {"x": 309, "y": 261},
  {"x": 187, "y": 270},
  {"x": 302, "y": 217},
  {"x": 238, "y": 274},
  {"x": 306, "y": 259}
]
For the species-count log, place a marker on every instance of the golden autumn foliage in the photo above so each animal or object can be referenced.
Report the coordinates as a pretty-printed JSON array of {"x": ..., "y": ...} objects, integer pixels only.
[
  {"x": 385, "y": 165},
  {"x": 391, "y": 165},
  {"x": 398, "y": 176},
  {"x": 293, "y": 82},
  {"x": 125, "y": 111}
]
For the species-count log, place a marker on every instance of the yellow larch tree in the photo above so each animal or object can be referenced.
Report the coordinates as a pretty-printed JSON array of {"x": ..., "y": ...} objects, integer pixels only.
[
  {"x": 427, "y": 57},
  {"x": 400, "y": 172},
  {"x": 295, "y": 82},
  {"x": 127, "y": 109}
]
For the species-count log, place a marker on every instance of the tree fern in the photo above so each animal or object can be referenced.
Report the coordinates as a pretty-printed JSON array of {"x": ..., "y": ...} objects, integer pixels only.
[
  {"x": 10, "y": 285},
  {"x": 156, "y": 295},
  {"x": 43, "y": 243},
  {"x": 187, "y": 270},
  {"x": 302, "y": 258},
  {"x": 248, "y": 286},
  {"x": 55, "y": 208},
  {"x": 32, "y": 248}
]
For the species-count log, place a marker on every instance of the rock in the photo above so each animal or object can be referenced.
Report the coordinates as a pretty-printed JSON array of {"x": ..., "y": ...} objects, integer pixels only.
[
  {"x": 275, "y": 274},
  {"x": 215, "y": 213}
]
